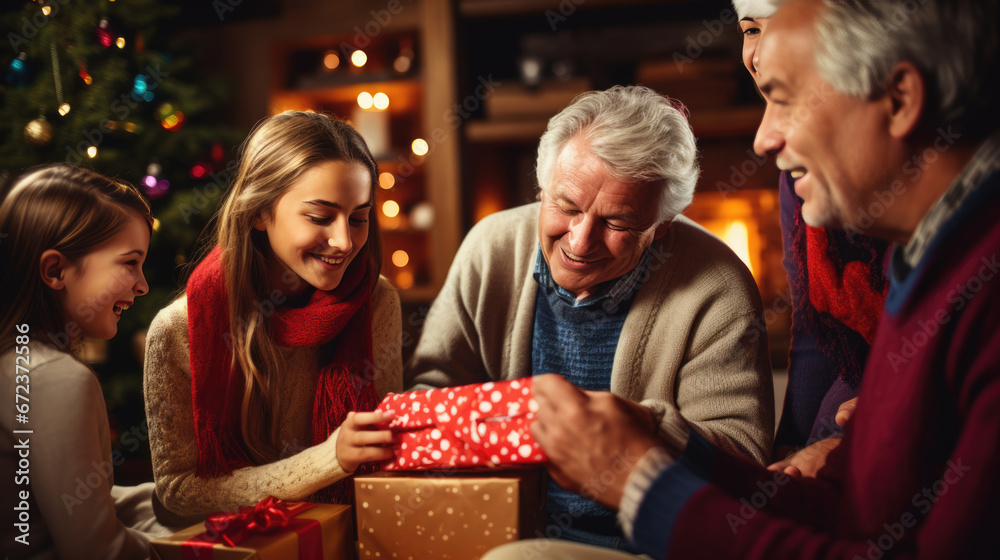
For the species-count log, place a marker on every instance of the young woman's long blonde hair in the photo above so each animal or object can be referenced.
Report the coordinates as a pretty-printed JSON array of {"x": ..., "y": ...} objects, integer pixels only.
[
  {"x": 70, "y": 209},
  {"x": 275, "y": 155}
]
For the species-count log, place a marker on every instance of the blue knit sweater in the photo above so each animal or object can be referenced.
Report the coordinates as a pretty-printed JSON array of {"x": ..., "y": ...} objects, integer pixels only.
[{"x": 578, "y": 339}]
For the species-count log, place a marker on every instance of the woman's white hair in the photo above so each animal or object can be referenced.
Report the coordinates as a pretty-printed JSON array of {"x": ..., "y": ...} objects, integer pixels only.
[
  {"x": 953, "y": 43},
  {"x": 754, "y": 8},
  {"x": 638, "y": 133}
]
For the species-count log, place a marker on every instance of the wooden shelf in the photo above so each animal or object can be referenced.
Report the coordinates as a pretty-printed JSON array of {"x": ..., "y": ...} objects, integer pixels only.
[
  {"x": 494, "y": 8},
  {"x": 727, "y": 122},
  {"x": 716, "y": 123},
  {"x": 404, "y": 95},
  {"x": 505, "y": 131}
]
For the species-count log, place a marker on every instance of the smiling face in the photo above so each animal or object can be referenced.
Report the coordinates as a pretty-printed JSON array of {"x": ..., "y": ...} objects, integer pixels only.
[
  {"x": 106, "y": 281},
  {"x": 752, "y": 28},
  {"x": 593, "y": 227},
  {"x": 835, "y": 145},
  {"x": 319, "y": 226}
]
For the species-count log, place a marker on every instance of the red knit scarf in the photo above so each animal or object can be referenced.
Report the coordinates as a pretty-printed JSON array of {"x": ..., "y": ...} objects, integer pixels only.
[{"x": 339, "y": 320}]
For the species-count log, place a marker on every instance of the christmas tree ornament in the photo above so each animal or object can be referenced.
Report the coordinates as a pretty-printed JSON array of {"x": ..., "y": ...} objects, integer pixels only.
[
  {"x": 105, "y": 36},
  {"x": 200, "y": 169},
  {"x": 19, "y": 72},
  {"x": 38, "y": 131},
  {"x": 218, "y": 152}
]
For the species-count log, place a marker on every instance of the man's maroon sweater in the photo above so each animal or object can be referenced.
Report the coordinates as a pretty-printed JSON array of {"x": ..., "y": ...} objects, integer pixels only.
[{"x": 918, "y": 472}]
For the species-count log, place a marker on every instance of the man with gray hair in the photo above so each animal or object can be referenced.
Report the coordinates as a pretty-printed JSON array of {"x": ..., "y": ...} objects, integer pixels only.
[
  {"x": 886, "y": 114},
  {"x": 604, "y": 282}
]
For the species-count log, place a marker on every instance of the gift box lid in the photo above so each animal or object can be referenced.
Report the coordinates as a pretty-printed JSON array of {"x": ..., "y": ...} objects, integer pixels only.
[{"x": 453, "y": 406}]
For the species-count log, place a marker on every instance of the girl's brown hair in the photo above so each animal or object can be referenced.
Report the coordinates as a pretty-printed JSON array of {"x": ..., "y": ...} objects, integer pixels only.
[
  {"x": 277, "y": 153},
  {"x": 70, "y": 209}
]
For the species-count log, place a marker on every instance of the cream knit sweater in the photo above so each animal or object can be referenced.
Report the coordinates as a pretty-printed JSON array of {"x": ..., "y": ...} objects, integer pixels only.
[
  {"x": 692, "y": 348},
  {"x": 303, "y": 469},
  {"x": 76, "y": 512}
]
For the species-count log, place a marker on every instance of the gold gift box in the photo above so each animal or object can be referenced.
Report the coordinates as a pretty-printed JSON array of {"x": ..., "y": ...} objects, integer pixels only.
[
  {"x": 457, "y": 515},
  {"x": 336, "y": 527}
]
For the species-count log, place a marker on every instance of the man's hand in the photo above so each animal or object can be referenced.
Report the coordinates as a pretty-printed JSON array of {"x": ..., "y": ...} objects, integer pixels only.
[
  {"x": 807, "y": 461},
  {"x": 593, "y": 439}
]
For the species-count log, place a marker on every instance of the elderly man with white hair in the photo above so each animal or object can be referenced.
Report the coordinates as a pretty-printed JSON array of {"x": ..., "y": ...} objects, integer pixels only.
[
  {"x": 604, "y": 282},
  {"x": 887, "y": 113}
]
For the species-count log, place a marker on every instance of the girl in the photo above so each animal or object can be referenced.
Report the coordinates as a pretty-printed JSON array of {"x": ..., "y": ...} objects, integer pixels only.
[
  {"x": 71, "y": 254},
  {"x": 286, "y": 328}
]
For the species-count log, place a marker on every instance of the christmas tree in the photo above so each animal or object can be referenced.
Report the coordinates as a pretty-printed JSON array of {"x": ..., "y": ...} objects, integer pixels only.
[{"x": 90, "y": 82}]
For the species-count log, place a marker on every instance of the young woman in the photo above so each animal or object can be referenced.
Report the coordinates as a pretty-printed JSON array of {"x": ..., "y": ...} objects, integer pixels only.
[
  {"x": 256, "y": 380},
  {"x": 72, "y": 253}
]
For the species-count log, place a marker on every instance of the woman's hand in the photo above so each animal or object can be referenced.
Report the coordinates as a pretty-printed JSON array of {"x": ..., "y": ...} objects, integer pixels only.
[
  {"x": 808, "y": 461},
  {"x": 361, "y": 439}
]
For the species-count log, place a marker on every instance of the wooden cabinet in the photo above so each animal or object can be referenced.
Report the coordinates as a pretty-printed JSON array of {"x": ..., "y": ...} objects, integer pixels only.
[{"x": 392, "y": 99}]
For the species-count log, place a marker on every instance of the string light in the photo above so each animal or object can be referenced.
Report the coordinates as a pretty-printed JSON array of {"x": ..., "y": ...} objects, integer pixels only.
[
  {"x": 390, "y": 208},
  {"x": 381, "y": 100},
  {"x": 85, "y": 76},
  {"x": 419, "y": 147},
  {"x": 46, "y": 10},
  {"x": 331, "y": 60},
  {"x": 404, "y": 280},
  {"x": 400, "y": 258},
  {"x": 404, "y": 61},
  {"x": 173, "y": 122},
  {"x": 92, "y": 152},
  {"x": 359, "y": 58},
  {"x": 120, "y": 42},
  {"x": 365, "y": 100},
  {"x": 64, "y": 109}
]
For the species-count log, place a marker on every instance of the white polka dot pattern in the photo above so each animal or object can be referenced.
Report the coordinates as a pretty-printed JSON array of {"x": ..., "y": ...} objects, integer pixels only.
[{"x": 475, "y": 425}]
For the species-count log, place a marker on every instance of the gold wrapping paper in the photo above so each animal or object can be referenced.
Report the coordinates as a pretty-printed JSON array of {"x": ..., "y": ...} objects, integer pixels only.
[
  {"x": 459, "y": 515},
  {"x": 336, "y": 526}
]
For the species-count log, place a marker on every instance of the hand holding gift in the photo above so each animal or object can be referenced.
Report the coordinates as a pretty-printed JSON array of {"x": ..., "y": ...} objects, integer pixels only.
[
  {"x": 361, "y": 440},
  {"x": 481, "y": 425}
]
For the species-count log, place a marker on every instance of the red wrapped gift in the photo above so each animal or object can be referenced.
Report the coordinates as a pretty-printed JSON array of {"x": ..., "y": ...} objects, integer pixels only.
[
  {"x": 273, "y": 529},
  {"x": 471, "y": 426}
]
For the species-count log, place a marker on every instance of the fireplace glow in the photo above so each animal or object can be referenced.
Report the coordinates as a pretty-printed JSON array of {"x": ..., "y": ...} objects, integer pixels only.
[{"x": 737, "y": 236}]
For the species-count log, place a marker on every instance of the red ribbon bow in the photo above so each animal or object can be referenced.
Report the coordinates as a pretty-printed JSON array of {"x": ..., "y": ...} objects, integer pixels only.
[{"x": 233, "y": 528}]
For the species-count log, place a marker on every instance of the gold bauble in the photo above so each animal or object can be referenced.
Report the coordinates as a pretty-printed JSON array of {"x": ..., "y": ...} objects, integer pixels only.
[{"x": 38, "y": 132}]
